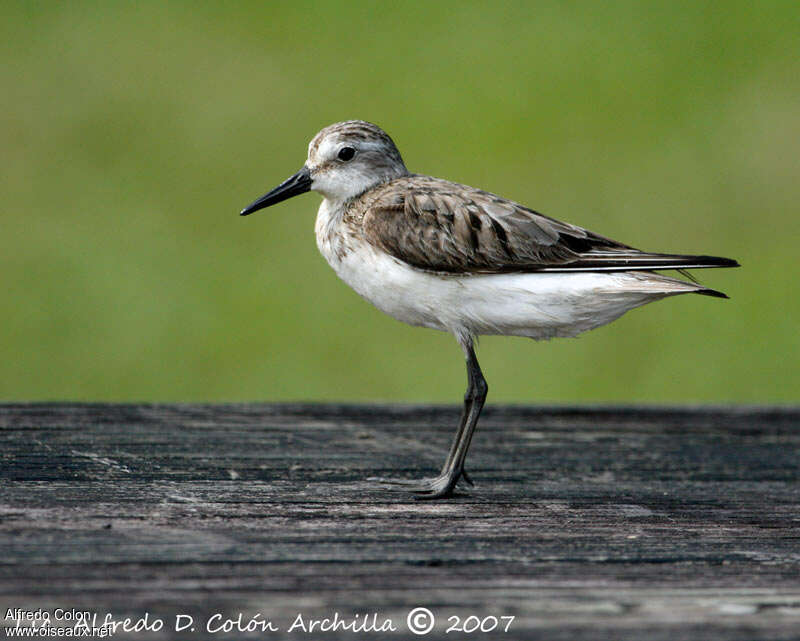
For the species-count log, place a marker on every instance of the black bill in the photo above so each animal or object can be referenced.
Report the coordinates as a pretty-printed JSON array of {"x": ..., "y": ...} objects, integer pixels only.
[{"x": 300, "y": 183}]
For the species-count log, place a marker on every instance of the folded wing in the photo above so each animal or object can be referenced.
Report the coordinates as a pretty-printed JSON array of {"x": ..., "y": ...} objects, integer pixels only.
[{"x": 441, "y": 226}]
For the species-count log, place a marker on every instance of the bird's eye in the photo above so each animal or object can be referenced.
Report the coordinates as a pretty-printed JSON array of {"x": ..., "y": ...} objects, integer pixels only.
[{"x": 346, "y": 153}]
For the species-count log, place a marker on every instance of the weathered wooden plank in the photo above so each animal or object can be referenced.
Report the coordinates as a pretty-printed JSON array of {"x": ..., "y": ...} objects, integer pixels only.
[{"x": 586, "y": 523}]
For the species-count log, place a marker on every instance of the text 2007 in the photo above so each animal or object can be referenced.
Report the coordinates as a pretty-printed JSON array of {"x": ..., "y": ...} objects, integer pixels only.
[{"x": 476, "y": 624}]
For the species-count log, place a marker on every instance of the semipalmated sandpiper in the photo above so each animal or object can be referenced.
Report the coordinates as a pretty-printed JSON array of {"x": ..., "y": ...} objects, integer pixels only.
[{"x": 437, "y": 254}]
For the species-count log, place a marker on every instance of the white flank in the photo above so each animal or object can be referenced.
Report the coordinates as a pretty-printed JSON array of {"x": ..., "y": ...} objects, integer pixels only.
[{"x": 537, "y": 305}]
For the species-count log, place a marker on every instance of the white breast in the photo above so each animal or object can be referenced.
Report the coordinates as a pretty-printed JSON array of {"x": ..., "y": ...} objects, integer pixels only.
[
  {"x": 392, "y": 286},
  {"x": 540, "y": 306}
]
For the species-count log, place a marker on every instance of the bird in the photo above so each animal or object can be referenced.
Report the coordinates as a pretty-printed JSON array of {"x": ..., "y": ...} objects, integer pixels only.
[{"x": 442, "y": 255}]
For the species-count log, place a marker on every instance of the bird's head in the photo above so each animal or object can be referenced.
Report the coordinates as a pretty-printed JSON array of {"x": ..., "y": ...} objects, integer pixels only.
[{"x": 344, "y": 161}]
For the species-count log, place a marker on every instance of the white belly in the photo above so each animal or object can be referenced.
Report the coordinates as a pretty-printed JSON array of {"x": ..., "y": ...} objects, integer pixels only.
[{"x": 537, "y": 305}]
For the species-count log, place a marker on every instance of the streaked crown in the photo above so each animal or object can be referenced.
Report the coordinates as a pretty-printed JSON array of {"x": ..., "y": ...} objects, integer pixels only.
[{"x": 348, "y": 158}]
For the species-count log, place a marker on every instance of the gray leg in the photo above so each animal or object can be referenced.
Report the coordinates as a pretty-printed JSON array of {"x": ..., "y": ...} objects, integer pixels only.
[
  {"x": 453, "y": 468},
  {"x": 462, "y": 423},
  {"x": 427, "y": 485},
  {"x": 474, "y": 399}
]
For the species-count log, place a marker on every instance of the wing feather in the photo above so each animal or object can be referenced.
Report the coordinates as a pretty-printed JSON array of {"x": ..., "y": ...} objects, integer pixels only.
[{"x": 437, "y": 225}]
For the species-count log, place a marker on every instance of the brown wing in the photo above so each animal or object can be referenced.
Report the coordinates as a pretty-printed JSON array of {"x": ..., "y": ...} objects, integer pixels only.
[{"x": 437, "y": 225}]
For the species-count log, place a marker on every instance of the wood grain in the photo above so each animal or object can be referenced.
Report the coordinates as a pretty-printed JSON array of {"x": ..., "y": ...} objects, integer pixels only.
[{"x": 585, "y": 523}]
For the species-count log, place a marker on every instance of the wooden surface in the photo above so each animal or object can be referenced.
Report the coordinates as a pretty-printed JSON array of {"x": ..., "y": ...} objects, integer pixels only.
[{"x": 587, "y": 523}]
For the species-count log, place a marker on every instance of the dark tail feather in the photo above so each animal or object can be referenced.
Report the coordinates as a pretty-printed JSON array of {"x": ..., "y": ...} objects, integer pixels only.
[{"x": 712, "y": 292}]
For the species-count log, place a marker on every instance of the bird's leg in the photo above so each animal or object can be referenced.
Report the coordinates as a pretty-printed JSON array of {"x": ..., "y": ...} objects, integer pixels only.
[
  {"x": 427, "y": 484},
  {"x": 453, "y": 468},
  {"x": 462, "y": 423},
  {"x": 479, "y": 390},
  {"x": 474, "y": 399}
]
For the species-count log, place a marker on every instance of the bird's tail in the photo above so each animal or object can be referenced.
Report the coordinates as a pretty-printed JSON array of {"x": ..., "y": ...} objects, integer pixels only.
[
  {"x": 707, "y": 291},
  {"x": 662, "y": 285}
]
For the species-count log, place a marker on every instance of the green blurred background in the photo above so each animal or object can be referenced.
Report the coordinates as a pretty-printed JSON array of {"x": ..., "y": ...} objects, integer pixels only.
[{"x": 132, "y": 134}]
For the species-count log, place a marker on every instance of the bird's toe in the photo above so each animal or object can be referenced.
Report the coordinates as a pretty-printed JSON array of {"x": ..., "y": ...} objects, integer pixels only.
[{"x": 418, "y": 485}]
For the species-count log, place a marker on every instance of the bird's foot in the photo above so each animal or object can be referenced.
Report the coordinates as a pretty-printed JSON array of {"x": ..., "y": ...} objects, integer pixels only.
[
  {"x": 437, "y": 487},
  {"x": 401, "y": 484}
]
